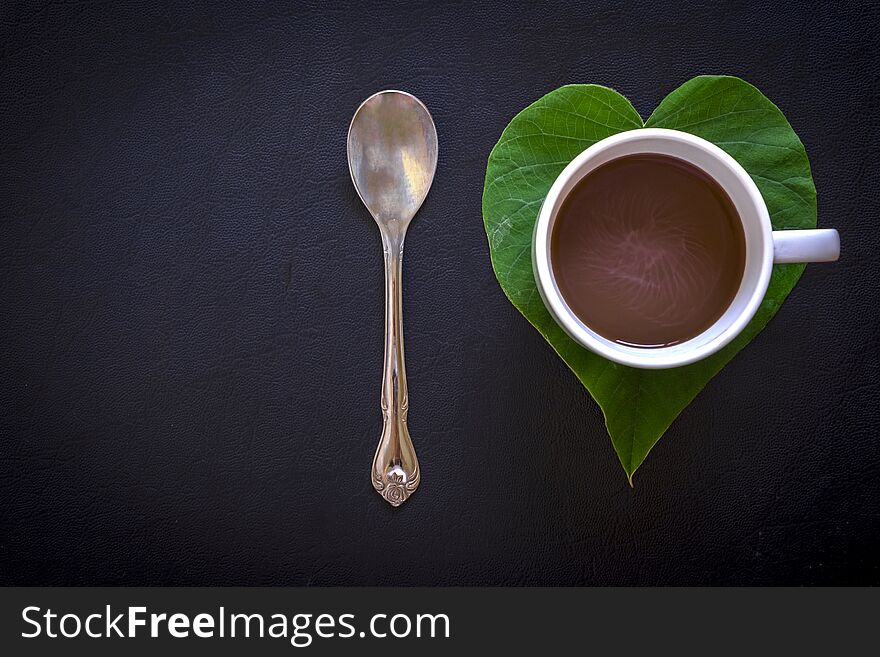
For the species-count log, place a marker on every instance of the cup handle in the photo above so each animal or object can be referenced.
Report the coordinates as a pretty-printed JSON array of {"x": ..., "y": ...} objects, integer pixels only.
[{"x": 816, "y": 245}]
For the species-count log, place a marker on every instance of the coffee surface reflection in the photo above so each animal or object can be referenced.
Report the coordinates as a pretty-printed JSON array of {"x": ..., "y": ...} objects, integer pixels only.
[{"x": 648, "y": 250}]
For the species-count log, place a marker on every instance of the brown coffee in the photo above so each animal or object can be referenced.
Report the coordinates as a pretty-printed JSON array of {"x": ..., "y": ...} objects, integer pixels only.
[{"x": 648, "y": 250}]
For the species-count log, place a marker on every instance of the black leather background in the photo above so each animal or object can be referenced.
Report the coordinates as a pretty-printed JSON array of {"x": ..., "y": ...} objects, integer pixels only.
[{"x": 192, "y": 307}]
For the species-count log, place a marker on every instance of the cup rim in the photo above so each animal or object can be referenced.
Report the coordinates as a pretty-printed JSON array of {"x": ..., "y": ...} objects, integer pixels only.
[{"x": 660, "y": 357}]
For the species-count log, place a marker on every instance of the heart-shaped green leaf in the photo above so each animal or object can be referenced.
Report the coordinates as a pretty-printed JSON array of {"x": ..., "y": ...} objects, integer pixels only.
[{"x": 639, "y": 405}]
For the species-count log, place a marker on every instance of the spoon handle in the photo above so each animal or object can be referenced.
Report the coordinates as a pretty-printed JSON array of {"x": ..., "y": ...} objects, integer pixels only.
[{"x": 395, "y": 466}]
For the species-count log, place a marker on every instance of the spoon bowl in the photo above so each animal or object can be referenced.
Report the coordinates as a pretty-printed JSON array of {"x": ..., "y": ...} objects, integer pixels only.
[{"x": 392, "y": 155}]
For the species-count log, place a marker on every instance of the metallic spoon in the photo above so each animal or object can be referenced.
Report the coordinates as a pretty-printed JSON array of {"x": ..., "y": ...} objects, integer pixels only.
[{"x": 392, "y": 156}]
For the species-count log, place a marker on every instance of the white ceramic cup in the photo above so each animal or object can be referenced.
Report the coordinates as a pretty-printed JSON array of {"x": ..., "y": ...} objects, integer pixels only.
[{"x": 764, "y": 246}]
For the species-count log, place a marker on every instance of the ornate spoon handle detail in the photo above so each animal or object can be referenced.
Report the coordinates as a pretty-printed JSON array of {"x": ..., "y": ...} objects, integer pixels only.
[{"x": 395, "y": 466}]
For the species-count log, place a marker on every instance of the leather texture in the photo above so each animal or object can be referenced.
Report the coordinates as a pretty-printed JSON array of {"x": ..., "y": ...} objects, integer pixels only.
[{"x": 192, "y": 307}]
